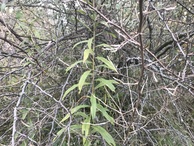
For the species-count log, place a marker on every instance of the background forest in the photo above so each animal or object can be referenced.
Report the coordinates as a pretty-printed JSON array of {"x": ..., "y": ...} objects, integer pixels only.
[{"x": 97, "y": 72}]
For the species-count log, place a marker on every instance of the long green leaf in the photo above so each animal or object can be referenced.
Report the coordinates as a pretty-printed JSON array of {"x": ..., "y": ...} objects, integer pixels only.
[
  {"x": 104, "y": 113},
  {"x": 59, "y": 133},
  {"x": 85, "y": 41},
  {"x": 81, "y": 12},
  {"x": 76, "y": 128},
  {"x": 69, "y": 90},
  {"x": 87, "y": 52},
  {"x": 90, "y": 43},
  {"x": 104, "y": 45},
  {"x": 82, "y": 114},
  {"x": 86, "y": 129},
  {"x": 73, "y": 110},
  {"x": 105, "y": 135},
  {"x": 108, "y": 63},
  {"x": 83, "y": 79},
  {"x": 93, "y": 106},
  {"x": 108, "y": 83},
  {"x": 74, "y": 64}
]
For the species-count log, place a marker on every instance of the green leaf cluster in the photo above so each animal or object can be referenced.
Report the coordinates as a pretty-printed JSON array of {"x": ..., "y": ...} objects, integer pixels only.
[{"x": 89, "y": 124}]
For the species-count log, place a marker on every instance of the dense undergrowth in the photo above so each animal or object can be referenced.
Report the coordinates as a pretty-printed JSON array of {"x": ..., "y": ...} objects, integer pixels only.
[{"x": 96, "y": 73}]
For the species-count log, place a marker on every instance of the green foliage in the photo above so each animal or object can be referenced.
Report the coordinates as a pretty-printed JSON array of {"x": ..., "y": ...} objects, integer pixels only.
[
  {"x": 93, "y": 107},
  {"x": 19, "y": 14},
  {"x": 69, "y": 90},
  {"x": 82, "y": 80},
  {"x": 106, "y": 136},
  {"x": 96, "y": 108},
  {"x": 73, "y": 65},
  {"x": 103, "y": 110},
  {"x": 86, "y": 130},
  {"x": 107, "y": 83},
  {"x": 77, "y": 73},
  {"x": 73, "y": 110},
  {"x": 107, "y": 63}
]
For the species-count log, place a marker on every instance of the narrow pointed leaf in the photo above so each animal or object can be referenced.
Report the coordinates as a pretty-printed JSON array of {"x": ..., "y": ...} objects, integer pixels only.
[
  {"x": 93, "y": 106},
  {"x": 85, "y": 41},
  {"x": 74, "y": 64},
  {"x": 86, "y": 129},
  {"x": 82, "y": 114},
  {"x": 90, "y": 43},
  {"x": 73, "y": 110},
  {"x": 104, "y": 45},
  {"x": 81, "y": 12},
  {"x": 60, "y": 131},
  {"x": 108, "y": 83},
  {"x": 87, "y": 52},
  {"x": 83, "y": 79},
  {"x": 105, "y": 135},
  {"x": 69, "y": 90},
  {"x": 108, "y": 63},
  {"x": 59, "y": 134},
  {"x": 105, "y": 114},
  {"x": 76, "y": 128}
]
